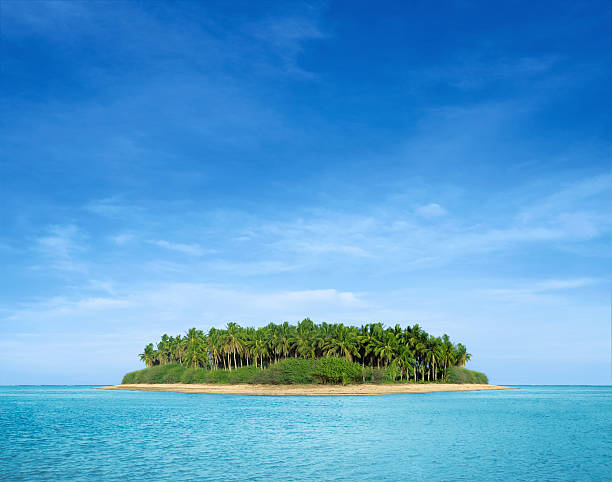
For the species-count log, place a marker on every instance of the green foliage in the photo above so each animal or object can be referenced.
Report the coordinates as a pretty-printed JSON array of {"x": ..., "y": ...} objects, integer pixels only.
[
  {"x": 131, "y": 377},
  {"x": 170, "y": 373},
  {"x": 392, "y": 372},
  {"x": 337, "y": 370},
  {"x": 241, "y": 375},
  {"x": 288, "y": 354},
  {"x": 463, "y": 375},
  {"x": 373, "y": 374},
  {"x": 287, "y": 372}
]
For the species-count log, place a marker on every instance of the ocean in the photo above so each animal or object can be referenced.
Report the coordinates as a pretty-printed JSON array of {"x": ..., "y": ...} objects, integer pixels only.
[{"x": 534, "y": 433}]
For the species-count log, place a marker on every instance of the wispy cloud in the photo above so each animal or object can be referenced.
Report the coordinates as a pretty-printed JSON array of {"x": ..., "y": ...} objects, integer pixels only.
[
  {"x": 473, "y": 71},
  {"x": 122, "y": 238},
  {"x": 390, "y": 236},
  {"x": 432, "y": 210},
  {"x": 575, "y": 214},
  {"x": 550, "y": 290},
  {"x": 188, "y": 249},
  {"x": 285, "y": 37},
  {"x": 260, "y": 166},
  {"x": 112, "y": 207},
  {"x": 253, "y": 268},
  {"x": 43, "y": 15},
  {"x": 61, "y": 247},
  {"x": 177, "y": 305}
]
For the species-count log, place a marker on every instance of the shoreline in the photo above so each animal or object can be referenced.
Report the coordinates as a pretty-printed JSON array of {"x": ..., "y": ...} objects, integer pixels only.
[{"x": 304, "y": 390}]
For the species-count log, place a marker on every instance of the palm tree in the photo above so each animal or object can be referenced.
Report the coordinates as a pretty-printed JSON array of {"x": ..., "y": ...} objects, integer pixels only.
[
  {"x": 196, "y": 348},
  {"x": 285, "y": 339},
  {"x": 248, "y": 337},
  {"x": 272, "y": 341},
  {"x": 163, "y": 350},
  {"x": 405, "y": 361},
  {"x": 304, "y": 339},
  {"x": 386, "y": 347},
  {"x": 376, "y": 340},
  {"x": 234, "y": 341},
  {"x": 149, "y": 356},
  {"x": 448, "y": 352},
  {"x": 434, "y": 355},
  {"x": 259, "y": 347},
  {"x": 411, "y": 350},
  {"x": 462, "y": 356},
  {"x": 343, "y": 342},
  {"x": 215, "y": 346}
]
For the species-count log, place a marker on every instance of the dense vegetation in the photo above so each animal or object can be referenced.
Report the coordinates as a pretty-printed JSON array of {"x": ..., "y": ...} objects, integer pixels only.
[
  {"x": 463, "y": 375},
  {"x": 288, "y": 372},
  {"x": 367, "y": 352},
  {"x": 285, "y": 372}
]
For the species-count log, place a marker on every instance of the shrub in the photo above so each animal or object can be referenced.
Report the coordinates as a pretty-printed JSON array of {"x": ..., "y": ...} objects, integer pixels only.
[
  {"x": 291, "y": 371},
  {"x": 288, "y": 372},
  {"x": 172, "y": 374},
  {"x": 242, "y": 374},
  {"x": 129, "y": 377},
  {"x": 463, "y": 375},
  {"x": 269, "y": 376},
  {"x": 391, "y": 373},
  {"x": 337, "y": 370},
  {"x": 189, "y": 375},
  {"x": 373, "y": 374},
  {"x": 215, "y": 376}
]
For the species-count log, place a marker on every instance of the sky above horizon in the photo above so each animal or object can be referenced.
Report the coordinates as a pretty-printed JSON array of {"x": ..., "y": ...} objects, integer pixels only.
[{"x": 175, "y": 164}]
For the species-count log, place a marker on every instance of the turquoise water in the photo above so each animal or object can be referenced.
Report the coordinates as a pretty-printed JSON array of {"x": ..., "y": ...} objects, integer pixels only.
[{"x": 68, "y": 432}]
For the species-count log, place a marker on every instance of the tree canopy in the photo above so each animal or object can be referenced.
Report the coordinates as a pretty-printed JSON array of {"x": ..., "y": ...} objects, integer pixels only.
[{"x": 411, "y": 351}]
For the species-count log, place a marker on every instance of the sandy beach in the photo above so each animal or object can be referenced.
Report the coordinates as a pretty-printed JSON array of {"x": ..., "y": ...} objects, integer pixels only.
[{"x": 304, "y": 390}]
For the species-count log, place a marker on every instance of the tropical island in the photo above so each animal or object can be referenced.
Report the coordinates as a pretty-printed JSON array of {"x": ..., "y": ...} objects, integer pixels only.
[{"x": 284, "y": 355}]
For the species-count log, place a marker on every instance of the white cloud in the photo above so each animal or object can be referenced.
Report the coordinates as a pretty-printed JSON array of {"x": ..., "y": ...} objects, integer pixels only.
[
  {"x": 113, "y": 207},
  {"x": 385, "y": 235},
  {"x": 173, "y": 306},
  {"x": 563, "y": 284},
  {"x": 432, "y": 210},
  {"x": 253, "y": 268},
  {"x": 189, "y": 249},
  {"x": 122, "y": 238},
  {"x": 117, "y": 327},
  {"x": 544, "y": 291},
  {"x": 316, "y": 247},
  {"x": 60, "y": 247},
  {"x": 471, "y": 72},
  {"x": 283, "y": 38}
]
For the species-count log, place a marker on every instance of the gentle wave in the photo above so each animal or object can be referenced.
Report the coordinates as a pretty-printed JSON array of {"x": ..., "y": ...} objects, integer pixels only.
[{"x": 64, "y": 432}]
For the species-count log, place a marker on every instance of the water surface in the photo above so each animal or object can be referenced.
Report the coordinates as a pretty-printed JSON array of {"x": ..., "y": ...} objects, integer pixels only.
[{"x": 68, "y": 432}]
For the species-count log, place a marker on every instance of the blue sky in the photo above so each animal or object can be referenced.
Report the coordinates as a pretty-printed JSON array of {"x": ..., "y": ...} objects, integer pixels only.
[{"x": 168, "y": 165}]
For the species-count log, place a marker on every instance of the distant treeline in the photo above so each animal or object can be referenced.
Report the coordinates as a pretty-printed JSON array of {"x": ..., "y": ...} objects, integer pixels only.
[{"x": 410, "y": 352}]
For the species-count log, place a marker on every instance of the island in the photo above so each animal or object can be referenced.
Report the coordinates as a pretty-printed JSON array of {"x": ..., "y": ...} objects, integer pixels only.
[{"x": 306, "y": 359}]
